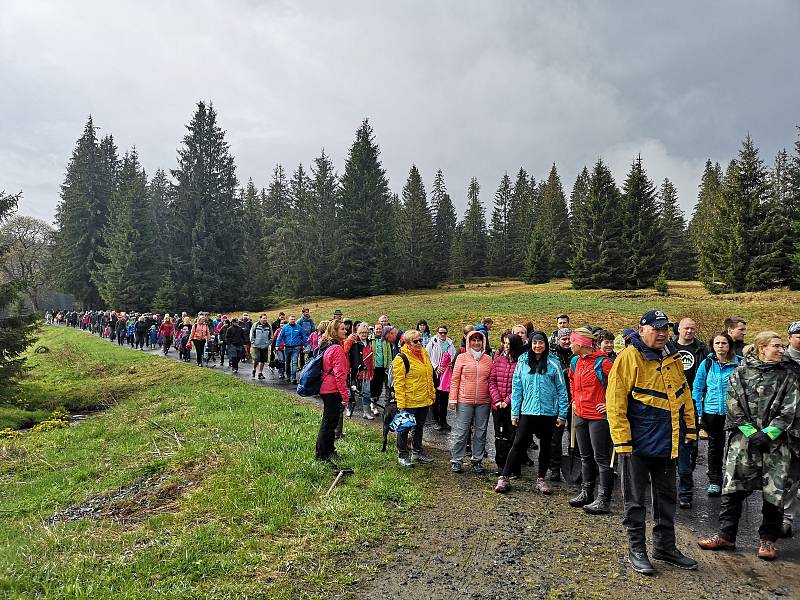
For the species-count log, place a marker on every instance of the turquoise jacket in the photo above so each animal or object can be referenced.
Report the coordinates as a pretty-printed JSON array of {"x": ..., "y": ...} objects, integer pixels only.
[
  {"x": 539, "y": 393},
  {"x": 710, "y": 392}
]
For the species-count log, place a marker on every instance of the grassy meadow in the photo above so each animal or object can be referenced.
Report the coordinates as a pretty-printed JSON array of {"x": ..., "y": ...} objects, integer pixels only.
[
  {"x": 224, "y": 498},
  {"x": 511, "y": 302}
]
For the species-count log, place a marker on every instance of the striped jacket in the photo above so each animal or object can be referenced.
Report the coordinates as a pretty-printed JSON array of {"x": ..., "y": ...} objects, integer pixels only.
[{"x": 646, "y": 399}]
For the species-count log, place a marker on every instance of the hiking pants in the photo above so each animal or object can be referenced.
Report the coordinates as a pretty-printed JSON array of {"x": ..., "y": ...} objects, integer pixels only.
[
  {"x": 466, "y": 414},
  {"x": 167, "y": 344},
  {"x": 504, "y": 433},
  {"x": 331, "y": 403},
  {"x": 714, "y": 426},
  {"x": 198, "y": 350},
  {"x": 541, "y": 426},
  {"x": 637, "y": 472},
  {"x": 594, "y": 443},
  {"x": 730, "y": 511},
  {"x": 440, "y": 408},
  {"x": 376, "y": 385},
  {"x": 420, "y": 413},
  {"x": 557, "y": 448}
]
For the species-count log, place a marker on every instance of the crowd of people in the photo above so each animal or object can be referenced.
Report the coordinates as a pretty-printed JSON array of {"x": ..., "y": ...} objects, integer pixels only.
[{"x": 636, "y": 412}]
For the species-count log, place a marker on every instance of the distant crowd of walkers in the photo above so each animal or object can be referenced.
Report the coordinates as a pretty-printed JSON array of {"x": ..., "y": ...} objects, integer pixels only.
[{"x": 636, "y": 413}]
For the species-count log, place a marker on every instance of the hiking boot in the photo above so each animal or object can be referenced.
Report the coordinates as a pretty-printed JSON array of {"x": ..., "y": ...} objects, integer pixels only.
[
  {"x": 716, "y": 542},
  {"x": 478, "y": 468},
  {"x": 639, "y": 562},
  {"x": 767, "y": 550},
  {"x": 585, "y": 496},
  {"x": 554, "y": 474},
  {"x": 676, "y": 558},
  {"x": 543, "y": 487},
  {"x": 253, "y": 374},
  {"x": 369, "y": 416},
  {"x": 404, "y": 461},
  {"x": 601, "y": 504},
  {"x": 503, "y": 485},
  {"x": 714, "y": 490},
  {"x": 421, "y": 458},
  {"x": 685, "y": 504},
  {"x": 261, "y": 376},
  {"x": 456, "y": 467}
]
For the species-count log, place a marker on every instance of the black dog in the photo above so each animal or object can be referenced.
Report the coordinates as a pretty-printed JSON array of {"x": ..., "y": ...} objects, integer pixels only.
[{"x": 389, "y": 412}]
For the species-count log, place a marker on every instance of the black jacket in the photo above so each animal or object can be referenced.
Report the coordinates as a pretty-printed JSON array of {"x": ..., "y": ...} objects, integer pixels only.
[{"x": 234, "y": 336}]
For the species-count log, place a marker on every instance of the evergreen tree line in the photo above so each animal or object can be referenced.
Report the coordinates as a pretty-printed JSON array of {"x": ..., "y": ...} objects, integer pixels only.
[{"x": 198, "y": 239}]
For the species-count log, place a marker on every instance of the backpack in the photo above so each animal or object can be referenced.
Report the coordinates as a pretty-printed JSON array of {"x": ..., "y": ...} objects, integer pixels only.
[
  {"x": 309, "y": 382},
  {"x": 598, "y": 368}
]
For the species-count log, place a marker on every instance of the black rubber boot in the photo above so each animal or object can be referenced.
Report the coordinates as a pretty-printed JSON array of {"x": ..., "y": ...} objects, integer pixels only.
[
  {"x": 585, "y": 496},
  {"x": 601, "y": 505}
]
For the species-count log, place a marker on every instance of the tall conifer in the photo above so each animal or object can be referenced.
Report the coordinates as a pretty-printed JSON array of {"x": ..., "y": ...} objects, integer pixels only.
[
  {"x": 444, "y": 225},
  {"x": 321, "y": 219},
  {"x": 519, "y": 223},
  {"x": 678, "y": 257},
  {"x": 474, "y": 233},
  {"x": 416, "y": 240},
  {"x": 641, "y": 226},
  {"x": 499, "y": 256}
]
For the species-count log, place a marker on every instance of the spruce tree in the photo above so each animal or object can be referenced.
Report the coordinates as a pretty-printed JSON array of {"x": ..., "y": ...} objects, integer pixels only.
[
  {"x": 519, "y": 223},
  {"x": 321, "y": 219},
  {"x": 363, "y": 262},
  {"x": 538, "y": 266},
  {"x": 678, "y": 255},
  {"x": 793, "y": 198},
  {"x": 474, "y": 233},
  {"x": 81, "y": 215},
  {"x": 499, "y": 258},
  {"x": 207, "y": 216},
  {"x": 159, "y": 199},
  {"x": 641, "y": 224},
  {"x": 444, "y": 225},
  {"x": 458, "y": 258},
  {"x": 277, "y": 243},
  {"x": 580, "y": 191},
  {"x": 771, "y": 263},
  {"x": 415, "y": 237},
  {"x": 254, "y": 259},
  {"x": 706, "y": 229},
  {"x": 127, "y": 278},
  {"x": 16, "y": 330},
  {"x": 599, "y": 259},
  {"x": 553, "y": 223},
  {"x": 166, "y": 298}
]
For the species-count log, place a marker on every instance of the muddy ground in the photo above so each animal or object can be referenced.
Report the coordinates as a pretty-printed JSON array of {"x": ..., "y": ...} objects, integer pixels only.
[{"x": 465, "y": 541}]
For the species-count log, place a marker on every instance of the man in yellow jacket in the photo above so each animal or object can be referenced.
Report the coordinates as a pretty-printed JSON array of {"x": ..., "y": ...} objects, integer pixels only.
[
  {"x": 414, "y": 392},
  {"x": 646, "y": 400}
]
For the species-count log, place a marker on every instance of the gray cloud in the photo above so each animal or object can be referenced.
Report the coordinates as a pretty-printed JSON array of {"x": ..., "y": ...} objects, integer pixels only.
[{"x": 474, "y": 88}]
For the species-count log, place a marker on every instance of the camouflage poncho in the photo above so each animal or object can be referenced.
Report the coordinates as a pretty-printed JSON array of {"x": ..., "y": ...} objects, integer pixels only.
[{"x": 761, "y": 396}]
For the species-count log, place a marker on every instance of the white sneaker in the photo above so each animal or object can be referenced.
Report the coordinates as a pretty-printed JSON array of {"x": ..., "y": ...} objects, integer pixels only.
[
  {"x": 374, "y": 409},
  {"x": 369, "y": 416},
  {"x": 348, "y": 412}
]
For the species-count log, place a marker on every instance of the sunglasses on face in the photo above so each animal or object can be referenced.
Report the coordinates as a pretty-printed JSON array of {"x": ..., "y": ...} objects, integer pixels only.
[
  {"x": 442, "y": 333},
  {"x": 417, "y": 342}
]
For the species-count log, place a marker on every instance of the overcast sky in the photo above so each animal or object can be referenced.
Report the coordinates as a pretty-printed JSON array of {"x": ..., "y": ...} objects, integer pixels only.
[{"x": 473, "y": 88}]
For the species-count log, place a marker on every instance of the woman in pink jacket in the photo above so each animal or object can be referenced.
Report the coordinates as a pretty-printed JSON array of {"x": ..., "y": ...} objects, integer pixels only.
[
  {"x": 334, "y": 392},
  {"x": 500, "y": 391},
  {"x": 469, "y": 396}
]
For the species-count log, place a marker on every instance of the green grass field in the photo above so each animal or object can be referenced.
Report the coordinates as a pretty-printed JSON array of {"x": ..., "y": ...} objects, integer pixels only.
[
  {"x": 511, "y": 302},
  {"x": 233, "y": 504}
]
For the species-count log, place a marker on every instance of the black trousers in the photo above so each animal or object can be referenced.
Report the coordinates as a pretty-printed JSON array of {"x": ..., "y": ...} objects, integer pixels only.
[
  {"x": 637, "y": 472},
  {"x": 377, "y": 382},
  {"x": 504, "y": 433},
  {"x": 730, "y": 511},
  {"x": 140, "y": 339},
  {"x": 594, "y": 443},
  {"x": 420, "y": 414},
  {"x": 529, "y": 425},
  {"x": 439, "y": 408},
  {"x": 715, "y": 428},
  {"x": 557, "y": 448},
  {"x": 167, "y": 343},
  {"x": 198, "y": 350},
  {"x": 331, "y": 404}
]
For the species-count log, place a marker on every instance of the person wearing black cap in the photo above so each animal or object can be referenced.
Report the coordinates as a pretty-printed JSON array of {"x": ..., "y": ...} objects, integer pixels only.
[{"x": 647, "y": 397}]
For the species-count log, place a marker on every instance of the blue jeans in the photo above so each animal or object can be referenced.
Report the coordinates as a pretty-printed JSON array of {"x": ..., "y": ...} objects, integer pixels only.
[{"x": 291, "y": 356}]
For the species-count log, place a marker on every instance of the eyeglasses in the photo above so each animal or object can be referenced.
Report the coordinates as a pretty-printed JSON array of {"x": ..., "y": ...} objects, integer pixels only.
[
  {"x": 442, "y": 333},
  {"x": 417, "y": 342}
]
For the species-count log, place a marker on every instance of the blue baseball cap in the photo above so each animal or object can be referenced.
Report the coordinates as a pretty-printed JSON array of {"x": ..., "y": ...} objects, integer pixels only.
[{"x": 654, "y": 318}]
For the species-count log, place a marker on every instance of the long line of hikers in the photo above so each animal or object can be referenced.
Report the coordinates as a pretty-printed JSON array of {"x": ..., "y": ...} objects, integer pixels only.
[{"x": 637, "y": 412}]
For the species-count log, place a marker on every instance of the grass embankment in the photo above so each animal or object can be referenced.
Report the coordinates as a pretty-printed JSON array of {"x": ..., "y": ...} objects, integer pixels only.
[
  {"x": 223, "y": 495},
  {"x": 510, "y": 302}
]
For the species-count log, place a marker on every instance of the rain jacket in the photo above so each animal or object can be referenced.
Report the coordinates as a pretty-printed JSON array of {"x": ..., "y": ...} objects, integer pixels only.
[
  {"x": 334, "y": 372},
  {"x": 587, "y": 390},
  {"x": 469, "y": 383},
  {"x": 539, "y": 393},
  {"x": 710, "y": 392},
  {"x": 292, "y": 335},
  {"x": 646, "y": 400},
  {"x": 260, "y": 335},
  {"x": 435, "y": 352},
  {"x": 413, "y": 389},
  {"x": 500, "y": 378}
]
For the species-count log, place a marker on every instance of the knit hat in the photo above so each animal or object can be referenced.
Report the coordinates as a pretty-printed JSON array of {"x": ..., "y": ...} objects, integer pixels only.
[
  {"x": 794, "y": 327},
  {"x": 563, "y": 332}
]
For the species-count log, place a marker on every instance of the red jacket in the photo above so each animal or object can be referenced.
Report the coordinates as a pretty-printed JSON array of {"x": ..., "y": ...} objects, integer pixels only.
[
  {"x": 167, "y": 329},
  {"x": 500, "y": 380},
  {"x": 335, "y": 368},
  {"x": 587, "y": 390}
]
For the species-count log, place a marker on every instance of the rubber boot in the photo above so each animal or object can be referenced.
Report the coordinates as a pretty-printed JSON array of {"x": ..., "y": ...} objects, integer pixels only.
[
  {"x": 585, "y": 496},
  {"x": 601, "y": 505}
]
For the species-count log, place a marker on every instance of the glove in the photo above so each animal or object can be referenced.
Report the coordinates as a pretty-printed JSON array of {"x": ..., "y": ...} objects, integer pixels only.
[{"x": 759, "y": 441}]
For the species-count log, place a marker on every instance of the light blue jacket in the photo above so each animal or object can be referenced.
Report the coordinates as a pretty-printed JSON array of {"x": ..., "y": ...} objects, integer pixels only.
[
  {"x": 539, "y": 393},
  {"x": 710, "y": 392},
  {"x": 291, "y": 335}
]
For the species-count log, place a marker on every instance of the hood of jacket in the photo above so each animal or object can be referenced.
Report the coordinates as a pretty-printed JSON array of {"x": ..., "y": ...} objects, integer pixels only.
[{"x": 471, "y": 335}]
